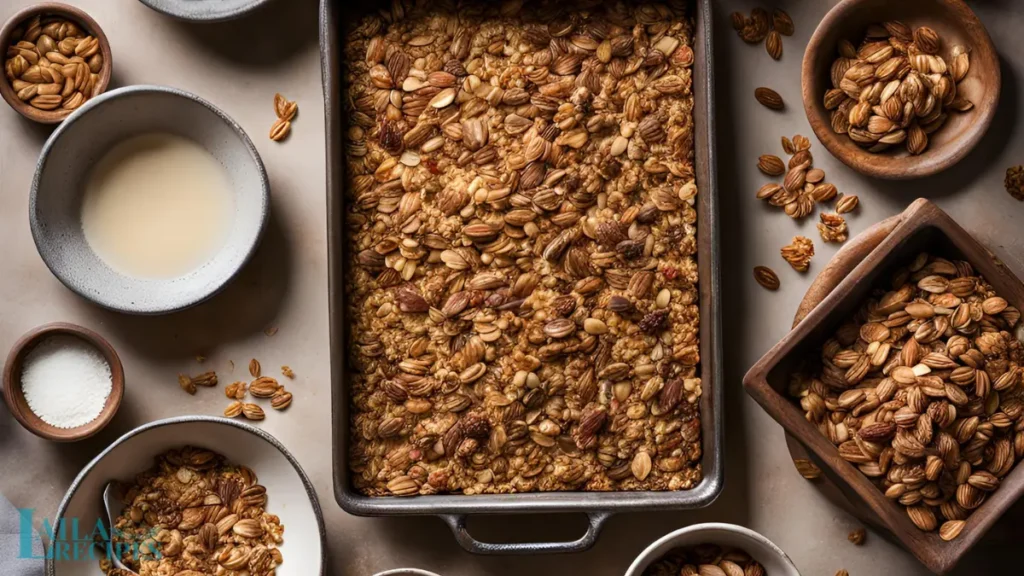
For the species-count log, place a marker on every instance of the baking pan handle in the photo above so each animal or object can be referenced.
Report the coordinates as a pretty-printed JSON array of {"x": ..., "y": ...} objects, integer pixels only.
[{"x": 457, "y": 522}]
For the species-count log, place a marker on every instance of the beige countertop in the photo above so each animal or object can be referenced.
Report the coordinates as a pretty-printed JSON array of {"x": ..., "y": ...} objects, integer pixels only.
[{"x": 240, "y": 65}]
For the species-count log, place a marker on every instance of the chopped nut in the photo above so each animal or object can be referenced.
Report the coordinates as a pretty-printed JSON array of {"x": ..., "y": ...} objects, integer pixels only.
[
  {"x": 857, "y": 536},
  {"x": 799, "y": 253},
  {"x": 832, "y": 228}
]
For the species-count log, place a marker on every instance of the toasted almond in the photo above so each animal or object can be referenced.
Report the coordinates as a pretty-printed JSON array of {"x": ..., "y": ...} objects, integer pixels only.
[
  {"x": 766, "y": 277},
  {"x": 951, "y": 529},
  {"x": 769, "y": 98},
  {"x": 279, "y": 131},
  {"x": 771, "y": 165}
]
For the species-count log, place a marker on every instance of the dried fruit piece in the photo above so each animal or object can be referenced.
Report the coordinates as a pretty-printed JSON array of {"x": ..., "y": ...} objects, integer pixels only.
[{"x": 766, "y": 277}]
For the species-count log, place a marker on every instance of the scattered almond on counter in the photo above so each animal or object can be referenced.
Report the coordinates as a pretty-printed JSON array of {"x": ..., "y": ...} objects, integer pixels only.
[
  {"x": 286, "y": 111},
  {"x": 769, "y": 98},
  {"x": 760, "y": 27},
  {"x": 766, "y": 277}
]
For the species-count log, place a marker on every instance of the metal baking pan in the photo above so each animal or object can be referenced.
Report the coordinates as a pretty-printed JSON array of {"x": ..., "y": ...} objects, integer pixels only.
[{"x": 599, "y": 506}]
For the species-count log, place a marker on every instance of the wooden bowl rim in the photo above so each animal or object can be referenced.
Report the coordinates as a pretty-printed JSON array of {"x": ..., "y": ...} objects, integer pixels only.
[
  {"x": 72, "y": 13},
  {"x": 13, "y": 393},
  {"x": 938, "y": 556},
  {"x": 932, "y": 161}
]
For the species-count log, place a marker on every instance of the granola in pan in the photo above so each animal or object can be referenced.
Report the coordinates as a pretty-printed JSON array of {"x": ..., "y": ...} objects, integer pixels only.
[
  {"x": 523, "y": 280},
  {"x": 197, "y": 515}
]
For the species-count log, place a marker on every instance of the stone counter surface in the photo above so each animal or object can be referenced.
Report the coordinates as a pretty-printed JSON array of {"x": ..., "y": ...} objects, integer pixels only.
[{"x": 240, "y": 65}]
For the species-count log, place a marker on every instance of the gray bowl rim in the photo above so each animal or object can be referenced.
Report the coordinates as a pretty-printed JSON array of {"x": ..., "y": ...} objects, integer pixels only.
[
  {"x": 266, "y": 436},
  {"x": 166, "y": 7},
  {"x": 726, "y": 527},
  {"x": 406, "y": 572},
  {"x": 173, "y": 306}
]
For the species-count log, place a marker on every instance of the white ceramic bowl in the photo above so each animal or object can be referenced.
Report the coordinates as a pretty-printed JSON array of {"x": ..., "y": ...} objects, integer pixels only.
[
  {"x": 405, "y": 572},
  {"x": 774, "y": 560},
  {"x": 290, "y": 494},
  {"x": 73, "y": 149}
]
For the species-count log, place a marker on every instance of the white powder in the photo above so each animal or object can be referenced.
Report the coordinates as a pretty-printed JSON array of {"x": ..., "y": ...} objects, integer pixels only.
[{"x": 66, "y": 381}]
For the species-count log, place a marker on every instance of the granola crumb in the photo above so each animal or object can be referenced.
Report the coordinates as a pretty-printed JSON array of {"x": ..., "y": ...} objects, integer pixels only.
[
  {"x": 1015, "y": 182},
  {"x": 270, "y": 331},
  {"x": 287, "y": 371},
  {"x": 857, "y": 536},
  {"x": 832, "y": 228},
  {"x": 799, "y": 253}
]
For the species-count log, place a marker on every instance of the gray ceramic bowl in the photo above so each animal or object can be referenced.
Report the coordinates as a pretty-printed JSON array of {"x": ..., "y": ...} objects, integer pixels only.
[
  {"x": 205, "y": 10},
  {"x": 72, "y": 150}
]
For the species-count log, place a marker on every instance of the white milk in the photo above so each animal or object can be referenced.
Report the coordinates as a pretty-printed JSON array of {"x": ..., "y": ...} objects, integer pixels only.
[{"x": 157, "y": 206}]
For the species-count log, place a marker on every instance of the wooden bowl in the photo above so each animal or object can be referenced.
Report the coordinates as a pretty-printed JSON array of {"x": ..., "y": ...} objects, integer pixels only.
[
  {"x": 63, "y": 11},
  {"x": 957, "y": 25},
  {"x": 15, "y": 398},
  {"x": 923, "y": 226}
]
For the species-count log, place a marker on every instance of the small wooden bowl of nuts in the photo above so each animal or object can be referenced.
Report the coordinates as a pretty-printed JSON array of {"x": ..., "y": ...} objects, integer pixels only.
[
  {"x": 905, "y": 385},
  {"x": 900, "y": 90},
  {"x": 56, "y": 58}
]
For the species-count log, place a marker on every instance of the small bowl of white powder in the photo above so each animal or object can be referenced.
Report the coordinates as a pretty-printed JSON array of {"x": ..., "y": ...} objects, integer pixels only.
[{"x": 63, "y": 382}]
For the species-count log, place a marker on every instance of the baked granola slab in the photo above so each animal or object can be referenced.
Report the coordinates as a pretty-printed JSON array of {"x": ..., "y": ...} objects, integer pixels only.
[{"x": 522, "y": 276}]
